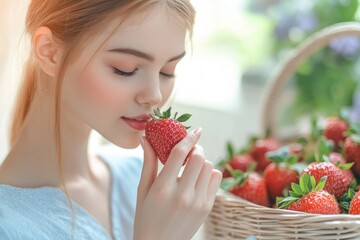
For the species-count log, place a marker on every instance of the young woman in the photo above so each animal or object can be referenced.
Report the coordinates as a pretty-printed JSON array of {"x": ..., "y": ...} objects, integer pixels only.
[{"x": 102, "y": 65}]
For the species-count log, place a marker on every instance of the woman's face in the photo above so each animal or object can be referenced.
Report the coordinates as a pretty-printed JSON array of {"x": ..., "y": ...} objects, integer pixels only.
[{"x": 127, "y": 78}]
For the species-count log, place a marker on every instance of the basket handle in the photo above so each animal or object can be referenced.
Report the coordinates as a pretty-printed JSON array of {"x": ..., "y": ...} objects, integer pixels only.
[{"x": 294, "y": 59}]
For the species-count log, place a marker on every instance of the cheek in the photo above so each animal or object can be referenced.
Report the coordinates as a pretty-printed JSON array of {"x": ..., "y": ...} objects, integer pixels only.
[
  {"x": 97, "y": 90},
  {"x": 166, "y": 91},
  {"x": 100, "y": 90}
]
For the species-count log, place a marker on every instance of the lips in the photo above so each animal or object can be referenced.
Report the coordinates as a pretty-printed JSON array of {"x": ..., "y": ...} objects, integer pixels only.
[{"x": 137, "y": 122}]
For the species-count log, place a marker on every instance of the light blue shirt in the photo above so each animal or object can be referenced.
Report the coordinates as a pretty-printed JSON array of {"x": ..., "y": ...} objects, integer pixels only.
[{"x": 43, "y": 213}]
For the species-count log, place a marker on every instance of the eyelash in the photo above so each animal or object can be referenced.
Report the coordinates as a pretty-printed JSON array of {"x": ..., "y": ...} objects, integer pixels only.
[
  {"x": 122, "y": 73},
  {"x": 129, "y": 74}
]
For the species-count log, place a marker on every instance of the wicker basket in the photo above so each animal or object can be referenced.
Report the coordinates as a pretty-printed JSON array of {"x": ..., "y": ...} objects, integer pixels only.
[{"x": 235, "y": 218}]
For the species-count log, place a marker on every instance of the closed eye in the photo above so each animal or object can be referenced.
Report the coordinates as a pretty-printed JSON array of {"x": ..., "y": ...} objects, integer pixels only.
[
  {"x": 168, "y": 75},
  {"x": 123, "y": 73},
  {"x": 129, "y": 74}
]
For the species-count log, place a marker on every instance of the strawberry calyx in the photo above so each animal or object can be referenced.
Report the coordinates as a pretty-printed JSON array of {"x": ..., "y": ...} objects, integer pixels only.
[
  {"x": 238, "y": 177},
  {"x": 345, "y": 166},
  {"x": 230, "y": 151},
  {"x": 167, "y": 115},
  {"x": 303, "y": 141},
  {"x": 268, "y": 133},
  {"x": 283, "y": 157},
  {"x": 355, "y": 138},
  {"x": 343, "y": 114},
  {"x": 346, "y": 199},
  {"x": 353, "y": 129},
  {"x": 315, "y": 131},
  {"x": 307, "y": 184},
  {"x": 323, "y": 147}
]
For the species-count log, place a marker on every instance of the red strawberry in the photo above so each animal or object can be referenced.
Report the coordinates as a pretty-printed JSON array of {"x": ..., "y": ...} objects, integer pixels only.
[
  {"x": 239, "y": 162},
  {"x": 352, "y": 152},
  {"x": 279, "y": 174},
  {"x": 335, "y": 129},
  {"x": 259, "y": 150},
  {"x": 163, "y": 133},
  {"x": 309, "y": 197},
  {"x": 337, "y": 158},
  {"x": 278, "y": 178},
  {"x": 235, "y": 160},
  {"x": 320, "y": 202},
  {"x": 337, "y": 182},
  {"x": 252, "y": 188},
  {"x": 355, "y": 204}
]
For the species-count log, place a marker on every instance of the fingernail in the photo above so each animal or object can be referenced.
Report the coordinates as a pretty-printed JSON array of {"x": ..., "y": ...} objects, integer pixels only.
[{"x": 197, "y": 132}]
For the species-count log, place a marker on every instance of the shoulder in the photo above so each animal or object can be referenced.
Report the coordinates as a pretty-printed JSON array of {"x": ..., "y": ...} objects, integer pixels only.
[
  {"x": 8, "y": 219},
  {"x": 39, "y": 214},
  {"x": 15, "y": 226},
  {"x": 14, "y": 222}
]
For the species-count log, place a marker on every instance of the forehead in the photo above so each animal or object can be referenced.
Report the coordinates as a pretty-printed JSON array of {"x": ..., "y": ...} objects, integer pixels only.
[{"x": 155, "y": 32}]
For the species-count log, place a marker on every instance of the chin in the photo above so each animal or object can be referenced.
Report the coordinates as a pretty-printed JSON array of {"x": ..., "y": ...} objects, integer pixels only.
[
  {"x": 130, "y": 145},
  {"x": 127, "y": 143}
]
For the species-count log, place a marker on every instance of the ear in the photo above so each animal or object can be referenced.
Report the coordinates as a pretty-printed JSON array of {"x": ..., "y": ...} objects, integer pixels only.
[{"x": 47, "y": 51}]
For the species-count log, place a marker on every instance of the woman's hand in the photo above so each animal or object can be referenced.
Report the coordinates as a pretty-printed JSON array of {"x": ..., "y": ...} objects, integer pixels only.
[{"x": 172, "y": 207}]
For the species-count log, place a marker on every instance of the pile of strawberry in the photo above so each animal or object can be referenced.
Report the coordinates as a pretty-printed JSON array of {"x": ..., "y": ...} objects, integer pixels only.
[{"x": 317, "y": 174}]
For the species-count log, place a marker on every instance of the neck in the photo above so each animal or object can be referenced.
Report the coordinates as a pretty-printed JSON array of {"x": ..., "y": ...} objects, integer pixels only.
[{"x": 33, "y": 158}]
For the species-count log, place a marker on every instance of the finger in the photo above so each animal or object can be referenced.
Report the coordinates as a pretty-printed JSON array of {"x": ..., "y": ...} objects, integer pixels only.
[
  {"x": 203, "y": 180},
  {"x": 149, "y": 170},
  {"x": 178, "y": 155},
  {"x": 214, "y": 184},
  {"x": 193, "y": 167}
]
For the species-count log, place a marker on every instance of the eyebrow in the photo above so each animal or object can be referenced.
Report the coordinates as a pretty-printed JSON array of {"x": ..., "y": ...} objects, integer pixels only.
[{"x": 143, "y": 55}]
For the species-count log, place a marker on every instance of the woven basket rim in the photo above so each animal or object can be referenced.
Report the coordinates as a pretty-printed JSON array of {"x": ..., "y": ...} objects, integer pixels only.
[{"x": 249, "y": 205}]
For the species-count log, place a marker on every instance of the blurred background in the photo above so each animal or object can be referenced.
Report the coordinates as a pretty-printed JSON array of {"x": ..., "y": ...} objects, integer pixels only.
[{"x": 237, "y": 45}]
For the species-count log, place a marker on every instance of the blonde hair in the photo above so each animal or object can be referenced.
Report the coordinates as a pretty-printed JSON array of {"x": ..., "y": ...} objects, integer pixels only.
[{"x": 71, "y": 22}]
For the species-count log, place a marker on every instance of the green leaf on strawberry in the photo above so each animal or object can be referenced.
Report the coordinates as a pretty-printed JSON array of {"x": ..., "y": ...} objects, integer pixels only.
[
  {"x": 282, "y": 155},
  {"x": 167, "y": 113},
  {"x": 230, "y": 154},
  {"x": 315, "y": 132},
  {"x": 302, "y": 140},
  {"x": 344, "y": 114},
  {"x": 307, "y": 184},
  {"x": 238, "y": 177},
  {"x": 345, "y": 166},
  {"x": 355, "y": 138},
  {"x": 298, "y": 167},
  {"x": 184, "y": 117},
  {"x": 251, "y": 167},
  {"x": 353, "y": 129},
  {"x": 227, "y": 183},
  {"x": 230, "y": 149},
  {"x": 157, "y": 113},
  {"x": 324, "y": 147},
  {"x": 338, "y": 164},
  {"x": 234, "y": 173},
  {"x": 346, "y": 199}
]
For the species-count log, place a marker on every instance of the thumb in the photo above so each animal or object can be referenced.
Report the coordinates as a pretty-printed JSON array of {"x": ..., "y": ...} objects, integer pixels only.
[{"x": 149, "y": 170}]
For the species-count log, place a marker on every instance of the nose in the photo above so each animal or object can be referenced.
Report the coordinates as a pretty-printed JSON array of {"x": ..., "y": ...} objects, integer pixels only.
[{"x": 150, "y": 95}]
